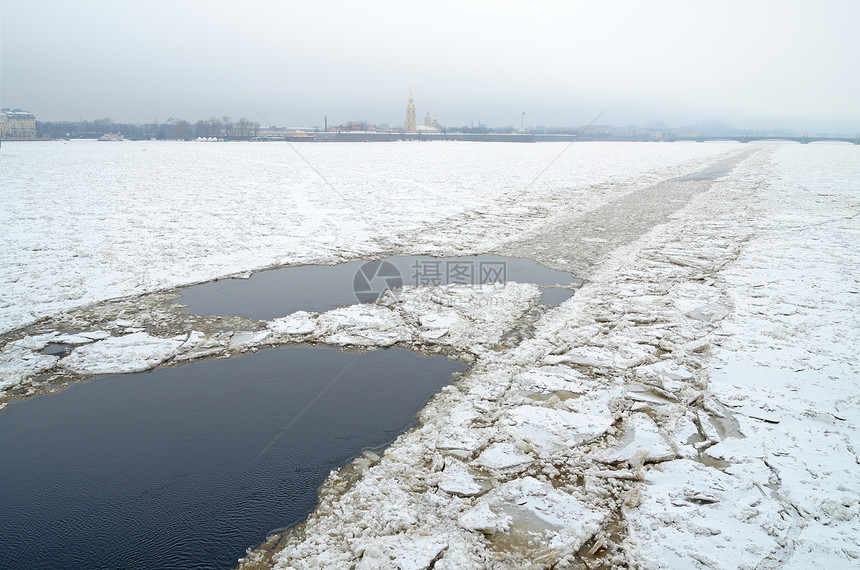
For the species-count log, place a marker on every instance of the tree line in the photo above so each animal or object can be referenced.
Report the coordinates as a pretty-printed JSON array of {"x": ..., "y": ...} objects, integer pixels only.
[{"x": 172, "y": 129}]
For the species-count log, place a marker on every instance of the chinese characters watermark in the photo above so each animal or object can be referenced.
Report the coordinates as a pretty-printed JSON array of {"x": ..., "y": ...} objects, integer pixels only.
[
  {"x": 431, "y": 273},
  {"x": 376, "y": 277}
]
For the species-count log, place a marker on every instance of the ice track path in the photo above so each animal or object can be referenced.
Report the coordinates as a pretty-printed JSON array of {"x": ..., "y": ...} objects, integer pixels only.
[
  {"x": 580, "y": 241},
  {"x": 613, "y": 436}
]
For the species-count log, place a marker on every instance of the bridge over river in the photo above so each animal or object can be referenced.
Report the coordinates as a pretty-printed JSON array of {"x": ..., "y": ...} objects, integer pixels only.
[
  {"x": 362, "y": 136},
  {"x": 803, "y": 139},
  {"x": 742, "y": 138}
]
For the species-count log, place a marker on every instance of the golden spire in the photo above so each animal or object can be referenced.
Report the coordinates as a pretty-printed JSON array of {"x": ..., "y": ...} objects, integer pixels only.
[{"x": 409, "y": 123}]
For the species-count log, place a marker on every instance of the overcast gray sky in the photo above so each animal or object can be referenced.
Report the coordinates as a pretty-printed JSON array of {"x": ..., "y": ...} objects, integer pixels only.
[{"x": 750, "y": 63}]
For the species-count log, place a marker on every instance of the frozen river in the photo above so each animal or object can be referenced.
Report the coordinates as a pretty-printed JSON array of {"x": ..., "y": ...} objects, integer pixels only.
[
  {"x": 84, "y": 221},
  {"x": 693, "y": 402}
]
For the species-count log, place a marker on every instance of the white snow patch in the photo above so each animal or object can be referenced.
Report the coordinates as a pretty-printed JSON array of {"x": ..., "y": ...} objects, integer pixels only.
[
  {"x": 642, "y": 441},
  {"x": 503, "y": 456},
  {"x": 298, "y": 323},
  {"x": 122, "y": 354},
  {"x": 74, "y": 339},
  {"x": 20, "y": 359},
  {"x": 547, "y": 517},
  {"x": 693, "y": 515},
  {"x": 457, "y": 480},
  {"x": 362, "y": 325},
  {"x": 549, "y": 430}
]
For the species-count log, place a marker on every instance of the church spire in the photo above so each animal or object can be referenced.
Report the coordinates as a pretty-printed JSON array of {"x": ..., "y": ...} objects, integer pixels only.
[{"x": 409, "y": 124}]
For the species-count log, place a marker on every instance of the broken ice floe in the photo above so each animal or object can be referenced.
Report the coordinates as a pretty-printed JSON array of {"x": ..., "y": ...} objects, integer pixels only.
[
  {"x": 482, "y": 519},
  {"x": 666, "y": 371},
  {"x": 82, "y": 337},
  {"x": 130, "y": 353},
  {"x": 642, "y": 442},
  {"x": 465, "y": 317},
  {"x": 298, "y": 323},
  {"x": 537, "y": 516},
  {"x": 241, "y": 340},
  {"x": 459, "y": 436},
  {"x": 20, "y": 359},
  {"x": 412, "y": 551},
  {"x": 200, "y": 345},
  {"x": 552, "y": 379},
  {"x": 504, "y": 456},
  {"x": 548, "y": 430},
  {"x": 362, "y": 325},
  {"x": 458, "y": 480}
]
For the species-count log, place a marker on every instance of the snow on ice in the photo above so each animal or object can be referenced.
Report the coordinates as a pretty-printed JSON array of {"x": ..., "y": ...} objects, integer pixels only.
[
  {"x": 695, "y": 404},
  {"x": 233, "y": 208},
  {"x": 129, "y": 353},
  {"x": 633, "y": 387},
  {"x": 21, "y": 359}
]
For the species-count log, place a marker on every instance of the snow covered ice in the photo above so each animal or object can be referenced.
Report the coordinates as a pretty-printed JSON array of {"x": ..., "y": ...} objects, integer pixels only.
[{"x": 694, "y": 404}]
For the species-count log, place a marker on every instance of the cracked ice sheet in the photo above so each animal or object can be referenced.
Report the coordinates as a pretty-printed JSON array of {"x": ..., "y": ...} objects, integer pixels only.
[
  {"x": 790, "y": 367},
  {"x": 785, "y": 364},
  {"x": 20, "y": 359},
  {"x": 121, "y": 354},
  {"x": 532, "y": 510},
  {"x": 549, "y": 430},
  {"x": 453, "y": 315},
  {"x": 265, "y": 208},
  {"x": 692, "y": 516},
  {"x": 491, "y": 423},
  {"x": 464, "y": 316}
]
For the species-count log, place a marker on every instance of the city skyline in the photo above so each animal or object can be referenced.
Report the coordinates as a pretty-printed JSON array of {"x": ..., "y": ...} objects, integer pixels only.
[
  {"x": 754, "y": 65},
  {"x": 394, "y": 125}
]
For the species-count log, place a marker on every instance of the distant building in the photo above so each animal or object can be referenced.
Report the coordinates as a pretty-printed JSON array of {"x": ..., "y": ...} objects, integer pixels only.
[
  {"x": 17, "y": 124},
  {"x": 628, "y": 132},
  {"x": 430, "y": 125},
  {"x": 409, "y": 124}
]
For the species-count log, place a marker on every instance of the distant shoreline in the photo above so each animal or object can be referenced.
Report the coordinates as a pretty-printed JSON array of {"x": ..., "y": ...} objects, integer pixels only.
[{"x": 354, "y": 136}]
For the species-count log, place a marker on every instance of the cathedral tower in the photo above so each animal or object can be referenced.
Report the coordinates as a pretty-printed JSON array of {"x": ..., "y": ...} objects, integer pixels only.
[{"x": 409, "y": 124}]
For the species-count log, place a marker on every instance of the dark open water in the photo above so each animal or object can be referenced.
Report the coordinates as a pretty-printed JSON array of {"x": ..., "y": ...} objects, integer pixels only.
[
  {"x": 186, "y": 467},
  {"x": 279, "y": 292}
]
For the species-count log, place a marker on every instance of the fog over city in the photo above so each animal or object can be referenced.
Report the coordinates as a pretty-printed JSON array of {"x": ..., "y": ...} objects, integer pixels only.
[{"x": 761, "y": 64}]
